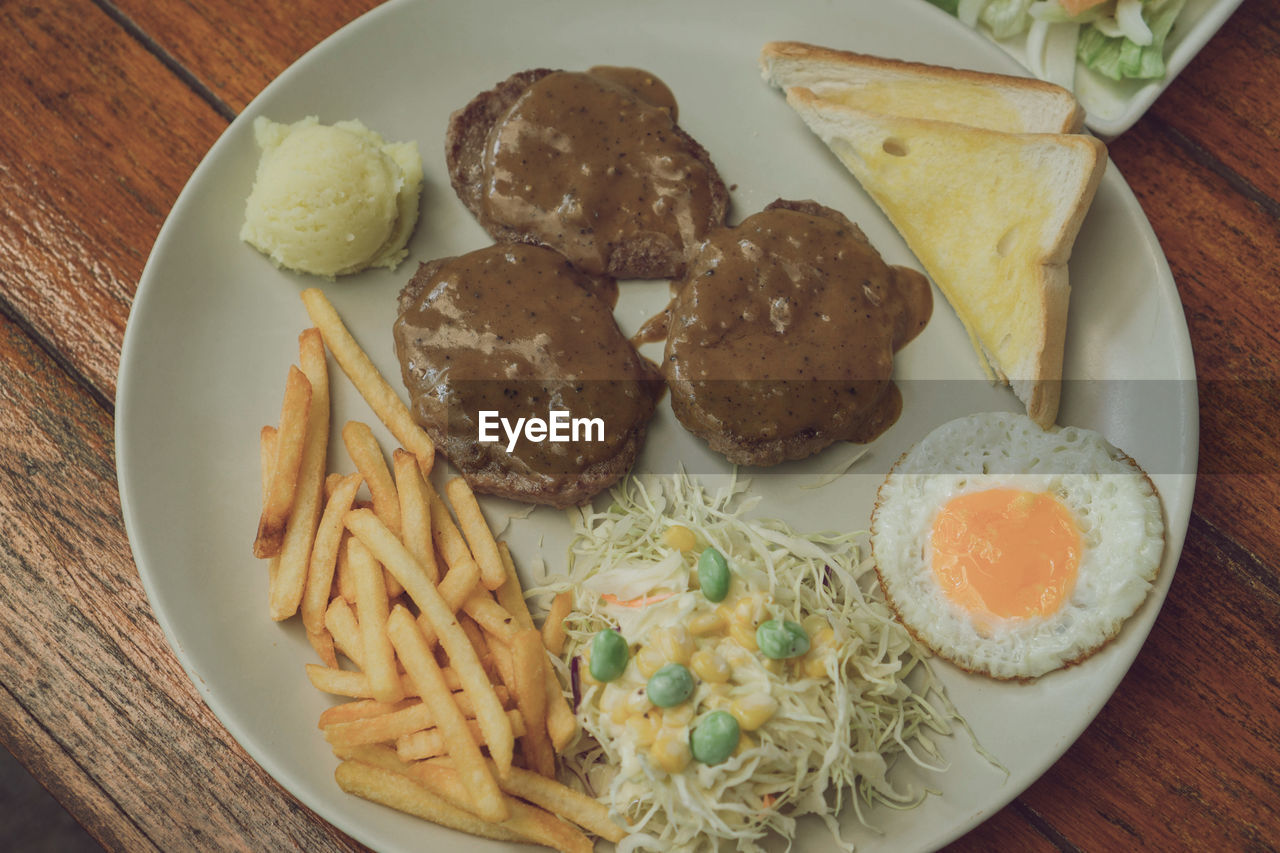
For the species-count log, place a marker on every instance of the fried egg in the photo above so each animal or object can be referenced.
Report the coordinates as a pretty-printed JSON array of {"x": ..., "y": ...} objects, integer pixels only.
[{"x": 1011, "y": 550}]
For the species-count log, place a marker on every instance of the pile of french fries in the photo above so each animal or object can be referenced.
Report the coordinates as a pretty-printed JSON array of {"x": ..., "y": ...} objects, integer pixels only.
[{"x": 453, "y": 712}]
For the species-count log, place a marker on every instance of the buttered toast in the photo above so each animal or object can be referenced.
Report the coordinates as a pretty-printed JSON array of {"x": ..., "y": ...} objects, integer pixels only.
[
  {"x": 992, "y": 217},
  {"x": 916, "y": 90}
]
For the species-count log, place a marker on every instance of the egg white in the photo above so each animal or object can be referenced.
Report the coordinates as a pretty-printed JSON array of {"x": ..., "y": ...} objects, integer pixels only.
[{"x": 1111, "y": 499}]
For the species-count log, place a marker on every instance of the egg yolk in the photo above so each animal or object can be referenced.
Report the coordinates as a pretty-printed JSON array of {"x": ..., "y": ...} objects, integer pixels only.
[{"x": 1006, "y": 553}]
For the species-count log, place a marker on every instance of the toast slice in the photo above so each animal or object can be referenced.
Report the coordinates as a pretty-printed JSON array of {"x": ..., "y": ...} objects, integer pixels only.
[
  {"x": 915, "y": 90},
  {"x": 992, "y": 217}
]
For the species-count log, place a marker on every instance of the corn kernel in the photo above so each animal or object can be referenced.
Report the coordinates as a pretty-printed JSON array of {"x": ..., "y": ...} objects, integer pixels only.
[
  {"x": 745, "y": 609},
  {"x": 638, "y": 702},
  {"x": 744, "y": 743},
  {"x": 649, "y": 660},
  {"x": 643, "y": 730},
  {"x": 680, "y": 537},
  {"x": 823, "y": 638},
  {"x": 753, "y": 710},
  {"x": 815, "y": 664},
  {"x": 706, "y": 623},
  {"x": 744, "y": 635},
  {"x": 619, "y": 714},
  {"x": 670, "y": 750},
  {"x": 716, "y": 702},
  {"x": 710, "y": 666},
  {"x": 681, "y": 715},
  {"x": 813, "y": 623},
  {"x": 734, "y": 653},
  {"x": 674, "y": 643}
]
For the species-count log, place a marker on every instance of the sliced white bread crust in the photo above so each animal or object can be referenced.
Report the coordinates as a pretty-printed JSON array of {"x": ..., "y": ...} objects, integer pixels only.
[
  {"x": 991, "y": 216},
  {"x": 912, "y": 89}
]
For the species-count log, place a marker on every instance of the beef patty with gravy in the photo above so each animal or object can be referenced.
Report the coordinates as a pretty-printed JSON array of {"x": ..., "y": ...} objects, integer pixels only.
[
  {"x": 591, "y": 164},
  {"x": 782, "y": 335},
  {"x": 516, "y": 330}
]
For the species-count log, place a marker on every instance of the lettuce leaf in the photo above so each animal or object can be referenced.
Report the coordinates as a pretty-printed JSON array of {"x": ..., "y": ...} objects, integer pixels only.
[{"x": 1119, "y": 58}]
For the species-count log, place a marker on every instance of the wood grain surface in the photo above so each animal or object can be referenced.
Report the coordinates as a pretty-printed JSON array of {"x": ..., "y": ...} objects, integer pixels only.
[{"x": 1185, "y": 756}]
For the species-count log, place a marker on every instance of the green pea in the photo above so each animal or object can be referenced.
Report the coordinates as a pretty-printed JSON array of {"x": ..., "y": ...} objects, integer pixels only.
[
  {"x": 670, "y": 685},
  {"x": 780, "y": 639},
  {"x": 713, "y": 575},
  {"x": 609, "y": 655},
  {"x": 715, "y": 737}
]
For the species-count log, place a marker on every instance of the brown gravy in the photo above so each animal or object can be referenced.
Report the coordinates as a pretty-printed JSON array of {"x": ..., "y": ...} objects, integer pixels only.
[
  {"x": 514, "y": 328},
  {"x": 586, "y": 162},
  {"x": 782, "y": 338}
]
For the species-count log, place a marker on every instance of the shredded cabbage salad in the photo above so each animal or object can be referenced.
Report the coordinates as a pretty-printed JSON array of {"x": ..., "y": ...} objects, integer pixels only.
[
  {"x": 833, "y": 739},
  {"x": 1120, "y": 39}
]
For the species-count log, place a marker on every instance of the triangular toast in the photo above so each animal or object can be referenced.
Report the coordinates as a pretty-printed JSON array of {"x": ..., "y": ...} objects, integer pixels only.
[
  {"x": 992, "y": 217},
  {"x": 916, "y": 90}
]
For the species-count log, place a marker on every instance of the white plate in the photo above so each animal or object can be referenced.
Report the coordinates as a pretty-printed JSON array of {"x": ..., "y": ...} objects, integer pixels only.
[
  {"x": 1112, "y": 106},
  {"x": 214, "y": 328}
]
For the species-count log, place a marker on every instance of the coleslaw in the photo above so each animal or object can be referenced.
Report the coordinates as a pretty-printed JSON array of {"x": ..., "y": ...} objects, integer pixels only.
[
  {"x": 838, "y": 716},
  {"x": 1120, "y": 39}
]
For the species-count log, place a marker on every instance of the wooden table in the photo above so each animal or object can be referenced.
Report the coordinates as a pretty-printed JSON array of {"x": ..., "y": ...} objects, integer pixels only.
[{"x": 109, "y": 106}]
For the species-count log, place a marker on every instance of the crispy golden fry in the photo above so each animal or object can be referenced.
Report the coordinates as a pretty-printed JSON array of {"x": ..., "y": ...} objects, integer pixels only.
[
  {"x": 511, "y": 595},
  {"x": 422, "y": 669},
  {"x": 322, "y": 642},
  {"x": 503, "y": 662},
  {"x": 462, "y": 656},
  {"x": 343, "y": 626},
  {"x": 295, "y": 555},
  {"x": 385, "y": 728},
  {"x": 364, "y": 450},
  {"x": 431, "y": 743},
  {"x": 290, "y": 439},
  {"x": 532, "y": 822},
  {"x": 490, "y": 615},
  {"x": 359, "y": 709},
  {"x": 562, "y": 800},
  {"x": 415, "y": 511},
  {"x": 528, "y": 658},
  {"x": 342, "y": 580},
  {"x": 372, "y": 609},
  {"x": 458, "y": 584},
  {"x": 324, "y": 552},
  {"x": 553, "y": 634},
  {"x": 561, "y": 723},
  {"x": 448, "y": 539},
  {"x": 267, "y": 440},
  {"x": 384, "y": 401},
  {"x": 355, "y": 685},
  {"x": 478, "y": 534},
  {"x": 402, "y": 793}
]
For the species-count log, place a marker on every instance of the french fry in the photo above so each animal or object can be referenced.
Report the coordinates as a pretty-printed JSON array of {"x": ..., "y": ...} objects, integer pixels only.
[
  {"x": 402, "y": 793},
  {"x": 510, "y": 595},
  {"x": 285, "y": 594},
  {"x": 359, "y": 709},
  {"x": 380, "y": 396},
  {"x": 322, "y": 642},
  {"x": 476, "y": 530},
  {"x": 422, "y": 669},
  {"x": 562, "y": 800},
  {"x": 324, "y": 552},
  {"x": 561, "y": 723},
  {"x": 448, "y": 539},
  {"x": 355, "y": 685},
  {"x": 287, "y": 457},
  {"x": 528, "y": 658},
  {"x": 267, "y": 440},
  {"x": 342, "y": 581},
  {"x": 415, "y": 511},
  {"x": 362, "y": 446},
  {"x": 391, "y": 552},
  {"x": 490, "y": 615},
  {"x": 532, "y": 822},
  {"x": 385, "y": 728},
  {"x": 431, "y": 743},
  {"x": 458, "y": 584},
  {"x": 553, "y": 633},
  {"x": 372, "y": 609},
  {"x": 441, "y": 779},
  {"x": 341, "y": 622}
]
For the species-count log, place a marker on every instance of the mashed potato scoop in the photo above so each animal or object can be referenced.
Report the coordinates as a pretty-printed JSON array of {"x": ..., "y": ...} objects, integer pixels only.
[{"x": 331, "y": 200}]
